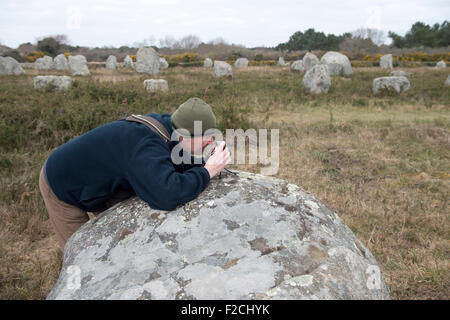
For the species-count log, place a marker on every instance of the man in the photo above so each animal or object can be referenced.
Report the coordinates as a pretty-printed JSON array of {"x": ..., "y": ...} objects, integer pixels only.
[{"x": 125, "y": 157}]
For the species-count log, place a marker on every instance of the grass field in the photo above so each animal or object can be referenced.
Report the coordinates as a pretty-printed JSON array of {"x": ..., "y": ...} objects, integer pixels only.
[{"x": 381, "y": 162}]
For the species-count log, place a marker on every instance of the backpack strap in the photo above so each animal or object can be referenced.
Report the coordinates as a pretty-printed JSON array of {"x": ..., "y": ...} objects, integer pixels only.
[{"x": 152, "y": 124}]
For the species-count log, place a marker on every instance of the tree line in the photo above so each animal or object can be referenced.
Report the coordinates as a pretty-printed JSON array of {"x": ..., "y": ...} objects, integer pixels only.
[{"x": 420, "y": 34}]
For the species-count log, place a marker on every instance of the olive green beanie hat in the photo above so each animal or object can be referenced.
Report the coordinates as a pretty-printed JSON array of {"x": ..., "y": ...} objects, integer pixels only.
[{"x": 194, "y": 109}]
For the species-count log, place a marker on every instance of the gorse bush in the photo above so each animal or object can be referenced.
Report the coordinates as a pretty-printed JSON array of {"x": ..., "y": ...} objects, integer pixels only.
[{"x": 32, "y": 57}]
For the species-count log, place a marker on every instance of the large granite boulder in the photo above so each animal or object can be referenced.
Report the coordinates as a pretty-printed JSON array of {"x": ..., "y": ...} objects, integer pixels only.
[
  {"x": 395, "y": 84},
  {"x": 310, "y": 60},
  {"x": 128, "y": 62},
  {"x": 147, "y": 60},
  {"x": 441, "y": 65},
  {"x": 78, "y": 65},
  {"x": 222, "y": 69},
  {"x": 317, "y": 79},
  {"x": 241, "y": 63},
  {"x": 154, "y": 85},
  {"x": 111, "y": 63},
  {"x": 298, "y": 66},
  {"x": 246, "y": 236},
  {"x": 338, "y": 63},
  {"x": 44, "y": 63},
  {"x": 386, "y": 61},
  {"x": 208, "y": 63},
  {"x": 56, "y": 82},
  {"x": 10, "y": 65},
  {"x": 60, "y": 62}
]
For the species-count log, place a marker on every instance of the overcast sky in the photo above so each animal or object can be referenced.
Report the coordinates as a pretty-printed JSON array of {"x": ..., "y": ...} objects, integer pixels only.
[{"x": 251, "y": 23}]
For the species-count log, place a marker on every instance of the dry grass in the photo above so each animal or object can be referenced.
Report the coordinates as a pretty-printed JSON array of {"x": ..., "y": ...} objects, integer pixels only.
[{"x": 381, "y": 162}]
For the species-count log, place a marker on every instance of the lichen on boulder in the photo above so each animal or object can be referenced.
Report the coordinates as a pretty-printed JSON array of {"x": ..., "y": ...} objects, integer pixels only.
[{"x": 246, "y": 236}]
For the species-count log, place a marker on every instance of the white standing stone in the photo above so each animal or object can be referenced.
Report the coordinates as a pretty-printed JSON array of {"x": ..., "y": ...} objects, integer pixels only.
[
  {"x": 222, "y": 69},
  {"x": 397, "y": 84},
  {"x": 111, "y": 63},
  {"x": 386, "y": 61},
  {"x": 298, "y": 66},
  {"x": 282, "y": 63},
  {"x": 128, "y": 62},
  {"x": 147, "y": 61},
  {"x": 241, "y": 63},
  {"x": 441, "y": 65},
  {"x": 337, "y": 63},
  {"x": 208, "y": 63},
  {"x": 163, "y": 64},
  {"x": 10, "y": 65},
  {"x": 60, "y": 62},
  {"x": 317, "y": 79},
  {"x": 310, "y": 60},
  {"x": 44, "y": 63},
  {"x": 78, "y": 65},
  {"x": 58, "y": 82},
  {"x": 447, "y": 82},
  {"x": 154, "y": 85}
]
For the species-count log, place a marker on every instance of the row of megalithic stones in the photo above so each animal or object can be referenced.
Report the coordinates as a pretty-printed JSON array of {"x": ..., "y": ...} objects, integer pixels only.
[{"x": 317, "y": 77}]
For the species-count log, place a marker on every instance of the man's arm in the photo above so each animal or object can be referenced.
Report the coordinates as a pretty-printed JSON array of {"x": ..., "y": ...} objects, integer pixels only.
[{"x": 153, "y": 177}]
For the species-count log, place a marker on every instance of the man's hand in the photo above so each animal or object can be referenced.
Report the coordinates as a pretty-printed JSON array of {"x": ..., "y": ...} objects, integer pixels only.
[{"x": 219, "y": 159}]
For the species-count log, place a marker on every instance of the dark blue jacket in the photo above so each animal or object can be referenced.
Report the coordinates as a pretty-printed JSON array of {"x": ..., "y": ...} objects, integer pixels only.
[{"x": 91, "y": 168}]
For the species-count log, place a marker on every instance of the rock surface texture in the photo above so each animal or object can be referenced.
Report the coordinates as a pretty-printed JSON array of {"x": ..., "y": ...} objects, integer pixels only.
[
  {"x": 246, "y": 236},
  {"x": 441, "y": 65},
  {"x": 397, "y": 84},
  {"x": 298, "y": 66},
  {"x": 60, "y": 62},
  {"x": 317, "y": 79},
  {"x": 128, "y": 62},
  {"x": 208, "y": 63},
  {"x": 111, "y": 63},
  {"x": 10, "y": 65},
  {"x": 44, "y": 63},
  {"x": 386, "y": 61},
  {"x": 447, "y": 82},
  {"x": 78, "y": 65},
  {"x": 337, "y": 63},
  {"x": 222, "y": 69},
  {"x": 310, "y": 60},
  {"x": 241, "y": 63},
  {"x": 57, "y": 82},
  {"x": 147, "y": 61},
  {"x": 154, "y": 85}
]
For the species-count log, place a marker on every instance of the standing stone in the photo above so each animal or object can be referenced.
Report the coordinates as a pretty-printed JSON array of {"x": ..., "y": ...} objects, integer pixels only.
[
  {"x": 397, "y": 84},
  {"x": 298, "y": 66},
  {"x": 10, "y": 65},
  {"x": 60, "y": 62},
  {"x": 147, "y": 61},
  {"x": 241, "y": 63},
  {"x": 44, "y": 63},
  {"x": 386, "y": 61},
  {"x": 128, "y": 62},
  {"x": 78, "y": 65},
  {"x": 222, "y": 69},
  {"x": 111, "y": 63},
  {"x": 154, "y": 85},
  {"x": 282, "y": 63},
  {"x": 441, "y": 65},
  {"x": 317, "y": 79},
  {"x": 337, "y": 63},
  {"x": 246, "y": 236},
  {"x": 163, "y": 63},
  {"x": 208, "y": 63},
  {"x": 447, "y": 82},
  {"x": 310, "y": 60},
  {"x": 58, "y": 82}
]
